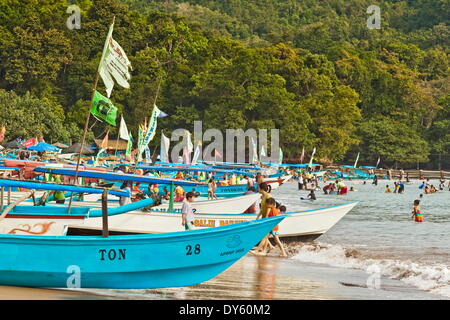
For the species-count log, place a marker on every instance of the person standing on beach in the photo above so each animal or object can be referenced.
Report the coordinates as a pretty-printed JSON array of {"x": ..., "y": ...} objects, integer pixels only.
[
  {"x": 187, "y": 213},
  {"x": 58, "y": 195},
  {"x": 264, "y": 191},
  {"x": 125, "y": 200},
  {"x": 272, "y": 211},
  {"x": 416, "y": 214},
  {"x": 305, "y": 181},
  {"x": 300, "y": 182}
]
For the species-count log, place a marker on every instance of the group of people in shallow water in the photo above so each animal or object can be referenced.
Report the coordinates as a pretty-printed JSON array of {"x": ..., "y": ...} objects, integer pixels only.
[{"x": 399, "y": 187}]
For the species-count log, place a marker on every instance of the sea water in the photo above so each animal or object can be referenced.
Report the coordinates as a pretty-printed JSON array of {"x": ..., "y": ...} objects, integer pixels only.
[{"x": 379, "y": 237}]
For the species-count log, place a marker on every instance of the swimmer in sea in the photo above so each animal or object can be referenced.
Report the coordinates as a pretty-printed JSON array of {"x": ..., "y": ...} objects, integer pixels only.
[
  {"x": 416, "y": 214},
  {"x": 312, "y": 195}
]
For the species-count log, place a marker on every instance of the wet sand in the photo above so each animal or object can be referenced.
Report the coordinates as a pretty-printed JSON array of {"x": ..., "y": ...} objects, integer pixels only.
[
  {"x": 252, "y": 277},
  {"x": 21, "y": 293}
]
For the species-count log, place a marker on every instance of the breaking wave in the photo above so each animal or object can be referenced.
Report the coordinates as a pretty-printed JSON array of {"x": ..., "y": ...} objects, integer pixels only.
[{"x": 434, "y": 278}]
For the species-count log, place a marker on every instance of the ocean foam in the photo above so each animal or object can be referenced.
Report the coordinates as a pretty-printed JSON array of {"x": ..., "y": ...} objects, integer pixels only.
[{"x": 432, "y": 278}]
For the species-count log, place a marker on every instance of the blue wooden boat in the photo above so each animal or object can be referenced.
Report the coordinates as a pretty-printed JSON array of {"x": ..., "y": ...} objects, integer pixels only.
[
  {"x": 10, "y": 183},
  {"x": 127, "y": 262},
  {"x": 221, "y": 191},
  {"x": 105, "y": 175},
  {"x": 120, "y": 262}
]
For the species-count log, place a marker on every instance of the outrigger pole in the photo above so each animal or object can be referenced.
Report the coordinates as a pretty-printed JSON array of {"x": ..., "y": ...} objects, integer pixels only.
[{"x": 86, "y": 125}]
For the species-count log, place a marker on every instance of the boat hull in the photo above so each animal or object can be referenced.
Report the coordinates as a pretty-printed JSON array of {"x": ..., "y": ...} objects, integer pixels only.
[
  {"x": 127, "y": 262},
  {"x": 307, "y": 224}
]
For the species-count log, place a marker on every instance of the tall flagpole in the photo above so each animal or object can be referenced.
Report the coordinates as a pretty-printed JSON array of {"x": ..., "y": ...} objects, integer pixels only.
[{"x": 86, "y": 125}]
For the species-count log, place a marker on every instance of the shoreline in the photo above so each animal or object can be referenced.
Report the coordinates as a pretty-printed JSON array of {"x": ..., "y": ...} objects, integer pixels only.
[{"x": 251, "y": 278}]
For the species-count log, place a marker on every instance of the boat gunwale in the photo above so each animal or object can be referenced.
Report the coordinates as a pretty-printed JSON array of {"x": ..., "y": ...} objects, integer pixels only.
[{"x": 169, "y": 236}]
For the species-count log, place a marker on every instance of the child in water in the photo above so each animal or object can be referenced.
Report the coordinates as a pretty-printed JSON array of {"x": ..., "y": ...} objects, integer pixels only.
[
  {"x": 416, "y": 214},
  {"x": 388, "y": 190},
  {"x": 312, "y": 195}
]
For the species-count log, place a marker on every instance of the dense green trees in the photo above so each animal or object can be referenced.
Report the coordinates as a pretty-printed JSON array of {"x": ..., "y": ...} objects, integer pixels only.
[
  {"x": 309, "y": 68},
  {"x": 26, "y": 116}
]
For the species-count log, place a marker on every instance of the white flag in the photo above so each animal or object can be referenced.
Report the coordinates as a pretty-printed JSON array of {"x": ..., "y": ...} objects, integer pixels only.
[
  {"x": 312, "y": 157},
  {"x": 151, "y": 131},
  {"x": 148, "y": 157},
  {"x": 186, "y": 155},
  {"x": 263, "y": 152},
  {"x": 164, "y": 149},
  {"x": 190, "y": 146},
  {"x": 196, "y": 154},
  {"x": 114, "y": 64},
  {"x": 356, "y": 162},
  {"x": 254, "y": 151},
  {"x": 123, "y": 130}
]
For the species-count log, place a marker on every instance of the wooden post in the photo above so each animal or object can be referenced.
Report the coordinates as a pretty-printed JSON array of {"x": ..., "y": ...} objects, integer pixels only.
[
  {"x": 2, "y": 191},
  {"x": 105, "y": 231},
  {"x": 34, "y": 198},
  {"x": 117, "y": 144},
  {"x": 9, "y": 196},
  {"x": 171, "y": 197}
]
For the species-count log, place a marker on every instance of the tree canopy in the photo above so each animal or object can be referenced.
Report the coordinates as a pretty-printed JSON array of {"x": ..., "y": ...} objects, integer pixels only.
[{"x": 309, "y": 68}]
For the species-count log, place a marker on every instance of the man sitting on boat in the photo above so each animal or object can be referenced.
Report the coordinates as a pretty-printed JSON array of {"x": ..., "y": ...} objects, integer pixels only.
[{"x": 179, "y": 194}]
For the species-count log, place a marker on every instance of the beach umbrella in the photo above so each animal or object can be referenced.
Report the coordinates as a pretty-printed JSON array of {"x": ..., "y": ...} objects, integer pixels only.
[
  {"x": 42, "y": 146},
  {"x": 75, "y": 148}
]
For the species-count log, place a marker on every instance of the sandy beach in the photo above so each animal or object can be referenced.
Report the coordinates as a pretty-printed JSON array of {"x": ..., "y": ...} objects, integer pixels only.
[
  {"x": 258, "y": 278},
  {"x": 19, "y": 293}
]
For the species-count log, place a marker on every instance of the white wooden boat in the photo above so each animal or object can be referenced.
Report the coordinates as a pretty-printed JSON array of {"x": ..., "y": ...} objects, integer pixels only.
[
  {"x": 274, "y": 183},
  {"x": 300, "y": 225}
]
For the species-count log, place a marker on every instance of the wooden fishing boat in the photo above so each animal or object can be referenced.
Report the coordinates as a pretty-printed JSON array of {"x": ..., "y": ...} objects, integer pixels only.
[
  {"x": 127, "y": 262},
  {"x": 303, "y": 225},
  {"x": 221, "y": 191},
  {"x": 274, "y": 183},
  {"x": 124, "y": 262}
]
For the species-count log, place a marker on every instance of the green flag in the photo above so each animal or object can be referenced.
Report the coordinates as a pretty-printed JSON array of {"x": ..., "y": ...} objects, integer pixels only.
[
  {"x": 103, "y": 109},
  {"x": 129, "y": 146}
]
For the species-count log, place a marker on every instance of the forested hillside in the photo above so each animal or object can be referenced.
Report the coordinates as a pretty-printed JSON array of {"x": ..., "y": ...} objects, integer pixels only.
[{"x": 311, "y": 68}]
